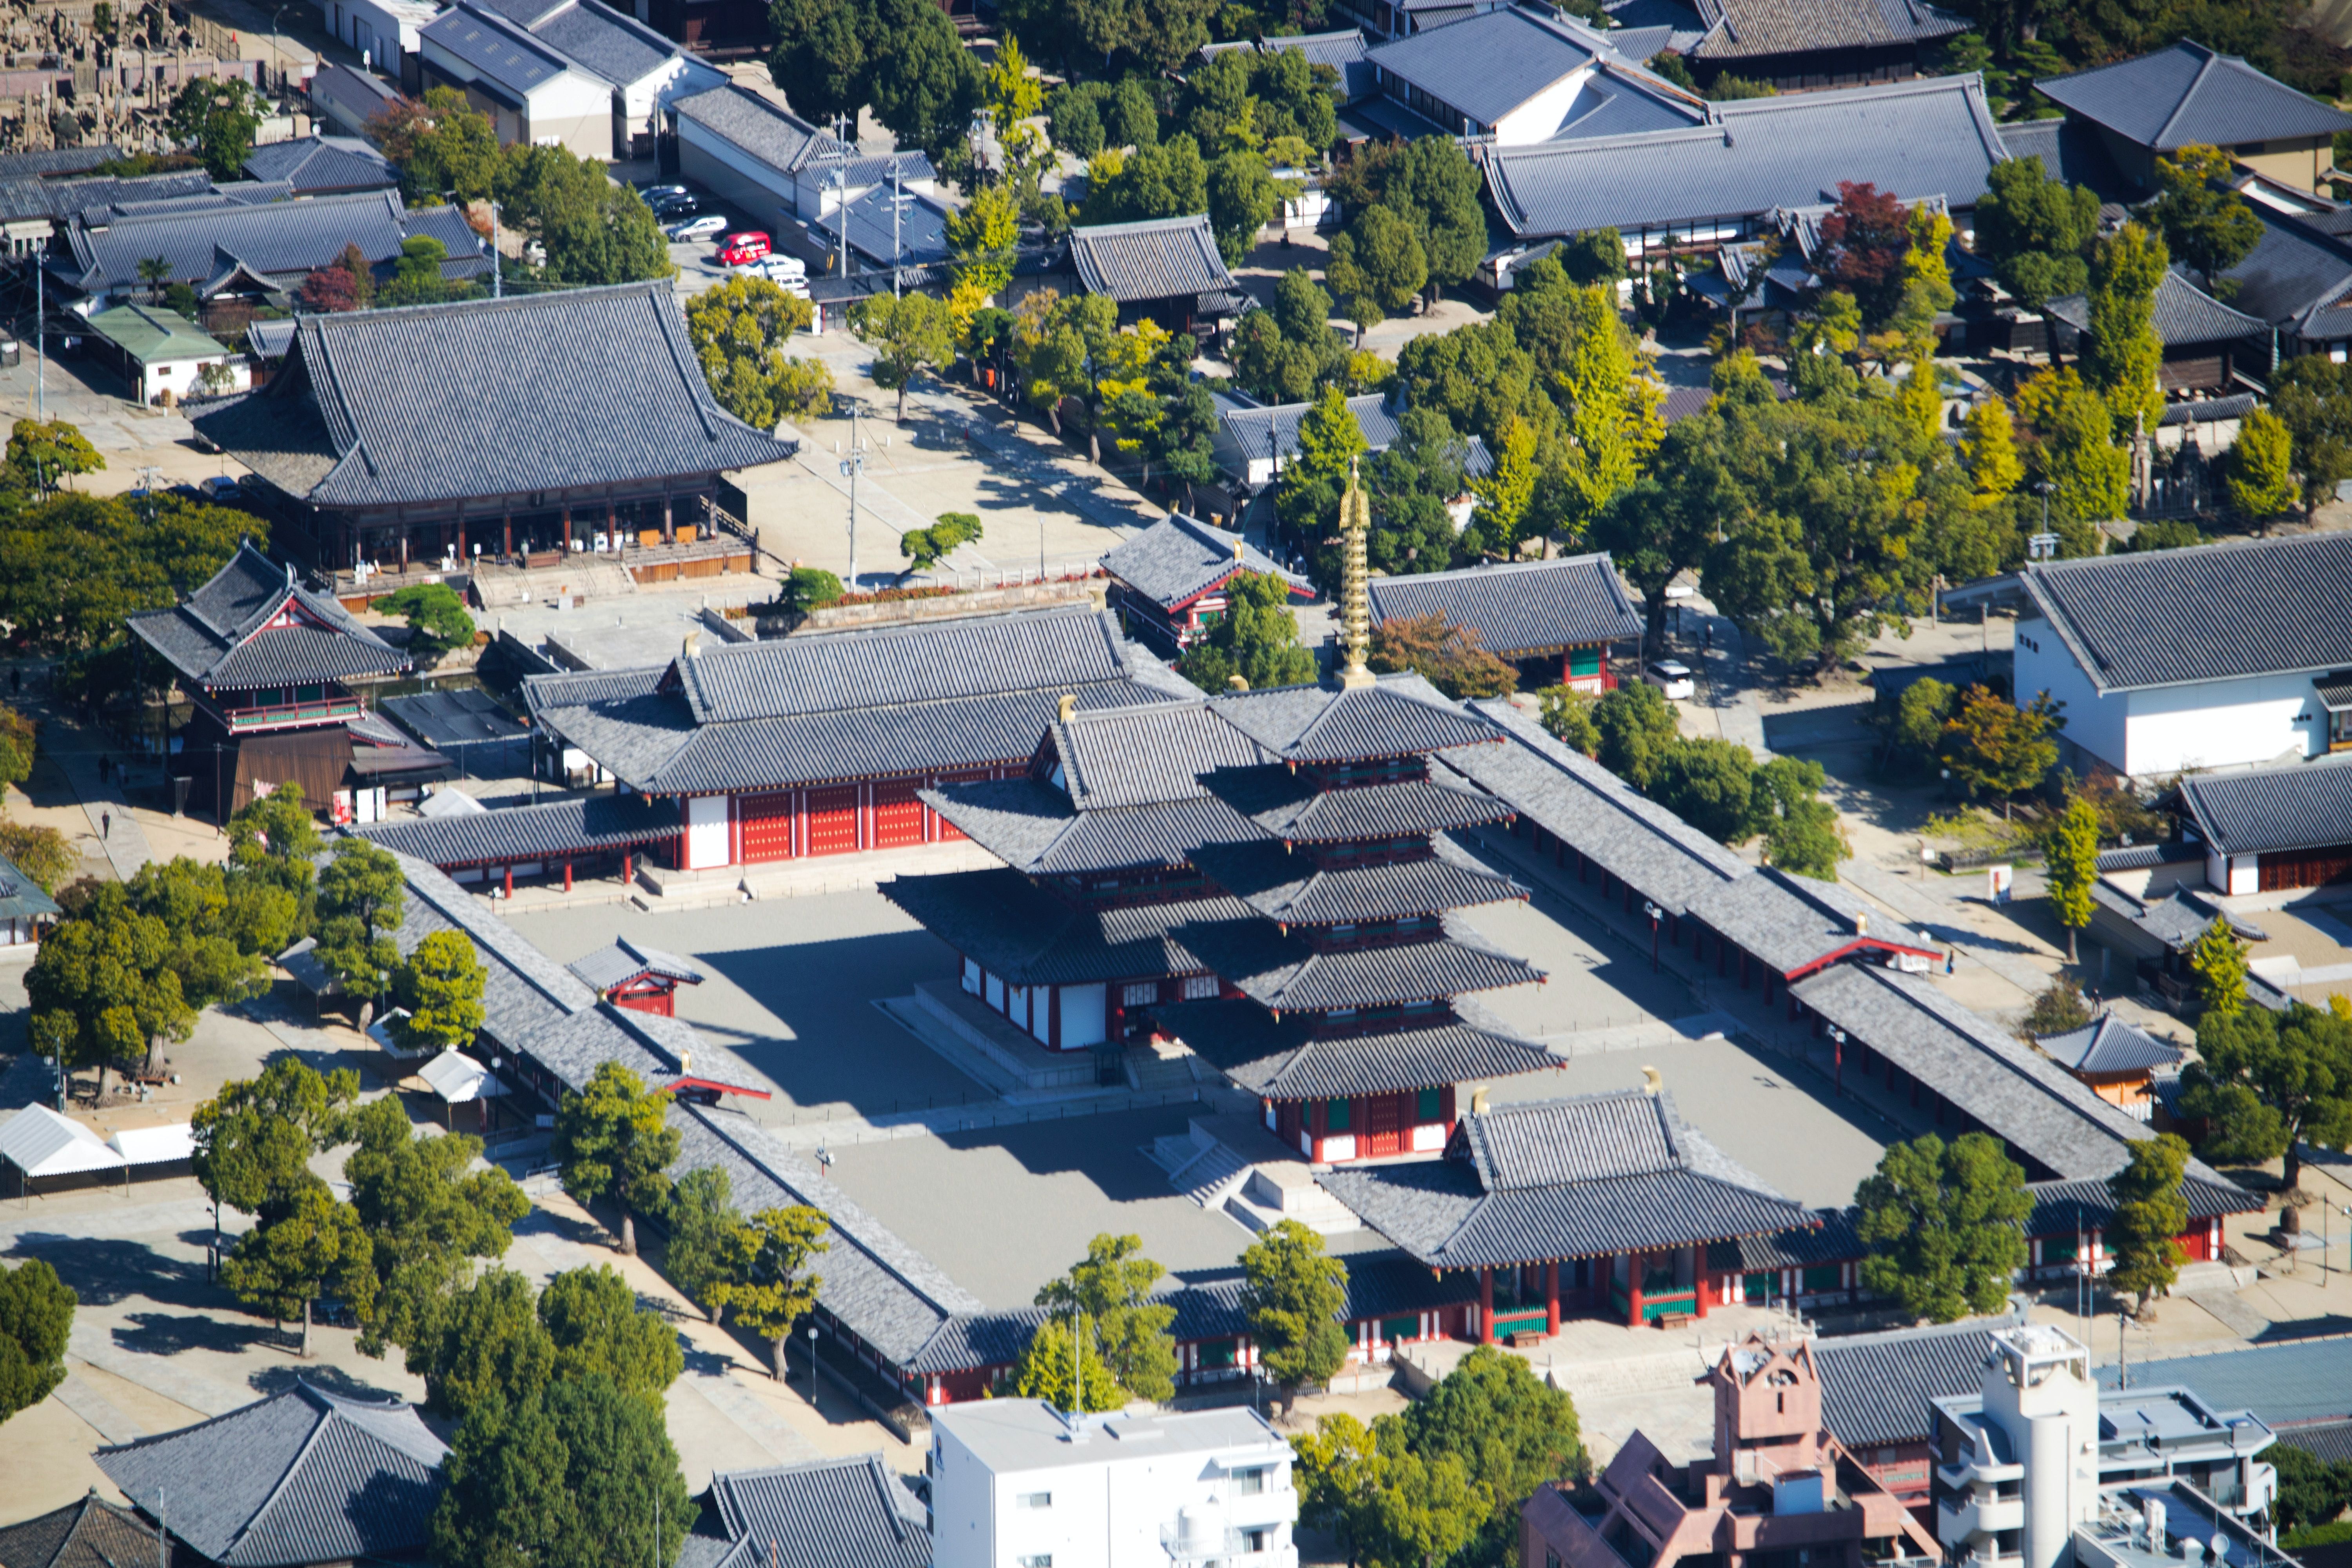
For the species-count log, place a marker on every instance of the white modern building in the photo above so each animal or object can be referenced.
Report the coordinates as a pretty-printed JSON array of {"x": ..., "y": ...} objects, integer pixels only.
[
  {"x": 2017, "y": 1468},
  {"x": 2216, "y": 656},
  {"x": 1017, "y": 1484},
  {"x": 533, "y": 92}
]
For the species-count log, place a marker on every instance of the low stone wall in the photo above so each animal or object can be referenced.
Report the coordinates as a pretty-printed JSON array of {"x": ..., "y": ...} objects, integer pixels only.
[{"x": 941, "y": 607}]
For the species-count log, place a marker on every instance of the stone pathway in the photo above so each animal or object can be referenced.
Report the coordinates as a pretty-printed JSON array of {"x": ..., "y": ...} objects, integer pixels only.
[
  {"x": 111, "y": 823},
  {"x": 77, "y": 1395},
  {"x": 95, "y": 1346}
]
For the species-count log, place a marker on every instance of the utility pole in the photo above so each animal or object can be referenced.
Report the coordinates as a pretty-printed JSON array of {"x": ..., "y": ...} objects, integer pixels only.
[
  {"x": 40, "y": 338},
  {"x": 842, "y": 129},
  {"x": 497, "y": 291},
  {"x": 898, "y": 200},
  {"x": 851, "y": 466}
]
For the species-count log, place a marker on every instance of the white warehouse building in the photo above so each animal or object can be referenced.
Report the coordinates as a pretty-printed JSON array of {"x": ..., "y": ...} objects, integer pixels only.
[
  {"x": 2219, "y": 656},
  {"x": 1016, "y": 1484}
]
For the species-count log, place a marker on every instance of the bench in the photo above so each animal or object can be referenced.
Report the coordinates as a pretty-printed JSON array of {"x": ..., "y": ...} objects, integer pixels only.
[
  {"x": 1521, "y": 1338},
  {"x": 1673, "y": 1320}
]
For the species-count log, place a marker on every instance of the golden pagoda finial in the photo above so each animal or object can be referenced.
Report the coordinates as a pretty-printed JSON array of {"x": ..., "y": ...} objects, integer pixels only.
[{"x": 1355, "y": 604}]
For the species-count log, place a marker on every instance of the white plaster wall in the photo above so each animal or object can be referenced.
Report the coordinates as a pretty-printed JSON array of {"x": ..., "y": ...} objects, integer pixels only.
[
  {"x": 706, "y": 831},
  {"x": 711, "y": 161},
  {"x": 2224, "y": 723},
  {"x": 1086, "y": 1019},
  {"x": 2094, "y": 722},
  {"x": 1539, "y": 117},
  {"x": 682, "y": 76}
]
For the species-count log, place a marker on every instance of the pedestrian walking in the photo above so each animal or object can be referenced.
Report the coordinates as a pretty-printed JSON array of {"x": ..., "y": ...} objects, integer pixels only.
[{"x": 105, "y": 824}]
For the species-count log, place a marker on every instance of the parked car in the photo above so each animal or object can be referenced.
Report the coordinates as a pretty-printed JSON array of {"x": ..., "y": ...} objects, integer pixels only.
[
  {"x": 749, "y": 245},
  {"x": 220, "y": 488},
  {"x": 779, "y": 268},
  {"x": 700, "y": 227},
  {"x": 1671, "y": 677},
  {"x": 657, "y": 194}
]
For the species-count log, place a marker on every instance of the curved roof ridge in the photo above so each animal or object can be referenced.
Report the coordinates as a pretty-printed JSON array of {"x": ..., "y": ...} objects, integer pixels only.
[
  {"x": 326, "y": 1418},
  {"x": 2204, "y": 69}
]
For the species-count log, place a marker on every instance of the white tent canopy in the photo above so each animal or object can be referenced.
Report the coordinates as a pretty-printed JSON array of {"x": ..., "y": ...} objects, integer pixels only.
[
  {"x": 155, "y": 1145},
  {"x": 40, "y": 1142},
  {"x": 458, "y": 1078}
]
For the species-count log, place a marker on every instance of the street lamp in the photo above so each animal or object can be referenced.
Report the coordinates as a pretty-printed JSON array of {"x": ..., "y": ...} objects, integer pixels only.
[
  {"x": 811, "y": 1338},
  {"x": 275, "y": 59},
  {"x": 1837, "y": 1049},
  {"x": 1656, "y": 914}
]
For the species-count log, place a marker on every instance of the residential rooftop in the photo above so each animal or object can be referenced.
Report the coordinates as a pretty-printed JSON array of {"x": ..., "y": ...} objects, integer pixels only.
[
  {"x": 1019, "y": 1437},
  {"x": 2189, "y": 94}
]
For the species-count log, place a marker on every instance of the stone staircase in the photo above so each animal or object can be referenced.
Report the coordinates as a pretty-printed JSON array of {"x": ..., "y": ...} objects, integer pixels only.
[
  {"x": 584, "y": 575},
  {"x": 1159, "y": 1065},
  {"x": 1282, "y": 1189}
]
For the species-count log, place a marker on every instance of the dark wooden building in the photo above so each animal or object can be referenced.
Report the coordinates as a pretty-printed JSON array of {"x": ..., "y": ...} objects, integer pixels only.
[
  {"x": 501, "y": 427},
  {"x": 275, "y": 675},
  {"x": 1170, "y": 580}
]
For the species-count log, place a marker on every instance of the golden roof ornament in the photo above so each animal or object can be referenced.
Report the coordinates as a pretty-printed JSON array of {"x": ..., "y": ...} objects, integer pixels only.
[{"x": 1355, "y": 602}]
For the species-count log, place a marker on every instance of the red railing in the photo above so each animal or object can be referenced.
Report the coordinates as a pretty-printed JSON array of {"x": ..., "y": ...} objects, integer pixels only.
[{"x": 269, "y": 716}]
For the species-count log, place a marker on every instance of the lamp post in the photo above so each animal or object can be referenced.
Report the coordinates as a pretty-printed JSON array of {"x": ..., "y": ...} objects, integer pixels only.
[
  {"x": 1837, "y": 1050},
  {"x": 276, "y": 61},
  {"x": 811, "y": 1338},
  {"x": 1656, "y": 914}
]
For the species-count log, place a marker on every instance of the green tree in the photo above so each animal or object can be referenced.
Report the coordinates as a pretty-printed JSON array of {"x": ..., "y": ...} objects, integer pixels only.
[
  {"x": 922, "y": 82},
  {"x": 1566, "y": 715},
  {"x": 810, "y": 588},
  {"x": 1111, "y": 1287},
  {"x": 428, "y": 1213},
  {"x": 2311, "y": 1492},
  {"x": 437, "y": 621},
  {"x": 36, "y": 1320},
  {"x": 703, "y": 1231},
  {"x": 982, "y": 236},
  {"x": 36, "y": 1312},
  {"x": 1801, "y": 831},
  {"x": 215, "y": 119},
  {"x": 599, "y": 1329},
  {"x": 416, "y": 276},
  {"x": 2121, "y": 353},
  {"x": 1184, "y": 443},
  {"x": 2270, "y": 1083},
  {"x": 908, "y": 332},
  {"x": 1994, "y": 745},
  {"x": 568, "y": 1480},
  {"x": 102, "y": 988},
  {"x": 2217, "y": 959},
  {"x": 1596, "y": 258},
  {"x": 40, "y": 454},
  {"x": 777, "y": 1287},
  {"x": 1708, "y": 783},
  {"x": 1434, "y": 187},
  {"x": 2036, "y": 231},
  {"x": 739, "y": 330},
  {"x": 1307, "y": 496},
  {"x": 38, "y": 851},
  {"x": 2070, "y": 859},
  {"x": 1612, "y": 402},
  {"x": 360, "y": 896},
  {"x": 193, "y": 901},
  {"x": 1376, "y": 266},
  {"x": 441, "y": 986},
  {"x": 1943, "y": 1223},
  {"x": 2060, "y": 1009},
  {"x": 486, "y": 1349},
  {"x": 441, "y": 144},
  {"x": 1257, "y": 640},
  {"x": 255, "y": 1138},
  {"x": 1292, "y": 1292},
  {"x": 2262, "y": 467},
  {"x": 819, "y": 59},
  {"x": 2088, "y": 476},
  {"x": 1919, "y": 715},
  {"x": 1242, "y": 197},
  {"x": 926, "y": 547},
  {"x": 1170, "y": 179},
  {"x": 592, "y": 230},
  {"x": 1928, "y": 290},
  {"x": 16, "y": 747},
  {"x": 2312, "y": 397},
  {"x": 1511, "y": 1430},
  {"x": 1989, "y": 448},
  {"x": 2149, "y": 1212},
  {"x": 73, "y": 566},
  {"x": 613, "y": 1139},
  {"x": 2204, "y": 222},
  {"x": 1637, "y": 726},
  {"x": 300, "y": 1250},
  {"x": 1072, "y": 1380}
]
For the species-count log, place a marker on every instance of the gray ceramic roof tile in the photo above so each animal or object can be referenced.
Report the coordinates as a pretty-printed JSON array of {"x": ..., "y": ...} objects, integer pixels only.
[
  {"x": 1141, "y": 756},
  {"x": 511, "y": 835},
  {"x": 625, "y": 960},
  {"x": 1178, "y": 558},
  {"x": 1876, "y": 1387},
  {"x": 2035, "y": 1106},
  {"x": 1017, "y": 930},
  {"x": 573, "y": 390},
  {"x": 1926, "y": 137},
  {"x": 1032, "y": 827},
  {"x": 606, "y": 43},
  {"x": 1506, "y": 1195},
  {"x": 2211, "y": 612},
  {"x": 1830, "y": 1239},
  {"x": 1584, "y": 805},
  {"x": 1795, "y": 923},
  {"x": 88, "y": 1532},
  {"x": 219, "y": 637},
  {"x": 1487, "y": 66},
  {"x": 1157, "y": 258},
  {"x": 274, "y": 240},
  {"x": 2071, "y": 153},
  {"x": 1522, "y": 609},
  {"x": 1397, "y": 716},
  {"x": 763, "y": 129},
  {"x": 2296, "y": 277},
  {"x": 1743, "y": 29},
  {"x": 2110, "y": 1045},
  {"x": 2189, "y": 93},
  {"x": 504, "y": 53},
  {"x": 918, "y": 237},
  {"x": 2184, "y": 315},
  {"x": 2064, "y": 1208},
  {"x": 1287, "y": 1059},
  {"x": 1286, "y": 973},
  {"x": 2306, "y": 807},
  {"x": 31, "y": 196},
  {"x": 21, "y": 898},
  {"x": 871, "y": 1282},
  {"x": 322, "y": 164},
  {"x": 1293, "y": 809},
  {"x": 1284, "y": 886},
  {"x": 852, "y": 1512},
  {"x": 302, "y": 1477}
]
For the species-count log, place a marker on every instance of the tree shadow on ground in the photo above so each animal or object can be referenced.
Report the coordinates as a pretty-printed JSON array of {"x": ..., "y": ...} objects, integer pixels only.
[
  {"x": 104, "y": 1272},
  {"x": 170, "y": 1333},
  {"x": 320, "y": 1375}
]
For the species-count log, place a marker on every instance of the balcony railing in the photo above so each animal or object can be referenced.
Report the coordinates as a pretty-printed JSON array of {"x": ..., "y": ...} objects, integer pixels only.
[
  {"x": 272, "y": 715},
  {"x": 1979, "y": 1516},
  {"x": 1203, "y": 1543}
]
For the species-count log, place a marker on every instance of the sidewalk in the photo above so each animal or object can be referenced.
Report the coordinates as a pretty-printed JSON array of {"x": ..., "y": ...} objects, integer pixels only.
[{"x": 111, "y": 820}]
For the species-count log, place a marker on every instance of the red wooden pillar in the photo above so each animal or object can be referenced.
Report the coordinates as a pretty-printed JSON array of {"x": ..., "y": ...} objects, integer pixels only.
[
  {"x": 625, "y": 876},
  {"x": 510, "y": 881},
  {"x": 1486, "y": 1306},
  {"x": 1634, "y": 1264},
  {"x": 567, "y": 531},
  {"x": 505, "y": 532},
  {"x": 567, "y": 875},
  {"x": 1698, "y": 1277},
  {"x": 1551, "y": 1297}
]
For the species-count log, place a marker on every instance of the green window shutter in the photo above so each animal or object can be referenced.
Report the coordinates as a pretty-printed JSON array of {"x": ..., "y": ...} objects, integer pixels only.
[
  {"x": 1429, "y": 1105},
  {"x": 1583, "y": 661},
  {"x": 1334, "y": 1115}
]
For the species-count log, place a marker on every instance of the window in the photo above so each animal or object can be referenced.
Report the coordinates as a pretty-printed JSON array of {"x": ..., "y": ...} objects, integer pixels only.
[
  {"x": 1249, "y": 1483},
  {"x": 1200, "y": 988},
  {"x": 1036, "y": 1559},
  {"x": 1034, "y": 1499},
  {"x": 1429, "y": 1105},
  {"x": 1257, "y": 1540},
  {"x": 1334, "y": 1115},
  {"x": 1141, "y": 994}
]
